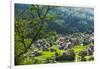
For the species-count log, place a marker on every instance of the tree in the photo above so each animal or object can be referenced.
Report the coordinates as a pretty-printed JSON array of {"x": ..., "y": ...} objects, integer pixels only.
[{"x": 27, "y": 31}]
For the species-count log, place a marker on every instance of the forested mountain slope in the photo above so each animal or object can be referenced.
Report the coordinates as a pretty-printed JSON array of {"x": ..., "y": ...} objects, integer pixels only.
[{"x": 66, "y": 19}]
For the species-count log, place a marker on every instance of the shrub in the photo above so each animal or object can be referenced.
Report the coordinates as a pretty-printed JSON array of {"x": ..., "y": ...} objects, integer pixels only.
[
  {"x": 36, "y": 61},
  {"x": 86, "y": 42},
  {"x": 52, "y": 50},
  {"x": 83, "y": 58},
  {"x": 91, "y": 58},
  {"x": 83, "y": 53},
  {"x": 66, "y": 56}
]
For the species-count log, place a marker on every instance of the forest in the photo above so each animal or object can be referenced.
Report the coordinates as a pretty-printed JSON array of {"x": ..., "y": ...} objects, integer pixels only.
[{"x": 45, "y": 34}]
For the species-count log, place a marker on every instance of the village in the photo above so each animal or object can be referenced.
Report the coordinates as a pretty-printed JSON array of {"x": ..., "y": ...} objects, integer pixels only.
[{"x": 62, "y": 48}]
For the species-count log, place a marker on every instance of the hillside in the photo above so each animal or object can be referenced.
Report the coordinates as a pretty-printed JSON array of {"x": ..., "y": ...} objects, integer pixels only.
[{"x": 68, "y": 19}]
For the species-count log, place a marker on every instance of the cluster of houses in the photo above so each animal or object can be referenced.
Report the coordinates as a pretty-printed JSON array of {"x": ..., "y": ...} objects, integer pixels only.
[{"x": 65, "y": 43}]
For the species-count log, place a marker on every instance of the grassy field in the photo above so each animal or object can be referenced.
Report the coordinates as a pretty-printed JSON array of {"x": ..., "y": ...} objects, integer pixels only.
[{"x": 49, "y": 57}]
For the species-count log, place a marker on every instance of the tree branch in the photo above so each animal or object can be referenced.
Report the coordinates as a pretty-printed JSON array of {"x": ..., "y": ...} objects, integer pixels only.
[{"x": 38, "y": 32}]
